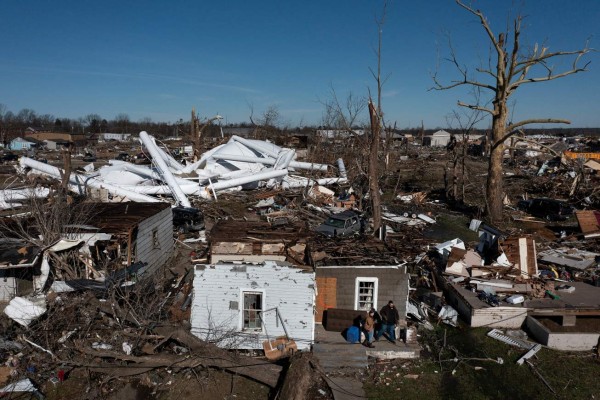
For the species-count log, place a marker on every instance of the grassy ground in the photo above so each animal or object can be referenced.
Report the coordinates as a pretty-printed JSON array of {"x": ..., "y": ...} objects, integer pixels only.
[{"x": 570, "y": 375}]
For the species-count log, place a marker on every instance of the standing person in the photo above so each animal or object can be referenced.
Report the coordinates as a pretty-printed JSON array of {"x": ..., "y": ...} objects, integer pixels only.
[
  {"x": 389, "y": 320},
  {"x": 369, "y": 328}
]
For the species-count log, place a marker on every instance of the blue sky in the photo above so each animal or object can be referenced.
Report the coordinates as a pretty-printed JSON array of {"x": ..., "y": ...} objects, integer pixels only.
[{"x": 158, "y": 59}]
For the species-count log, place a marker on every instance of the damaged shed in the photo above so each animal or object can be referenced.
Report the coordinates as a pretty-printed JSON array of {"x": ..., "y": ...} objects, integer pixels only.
[
  {"x": 140, "y": 232},
  {"x": 242, "y": 305},
  {"x": 125, "y": 233}
]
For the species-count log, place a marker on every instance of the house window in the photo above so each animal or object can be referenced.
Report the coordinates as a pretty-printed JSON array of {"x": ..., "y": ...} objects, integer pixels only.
[
  {"x": 366, "y": 293},
  {"x": 155, "y": 241},
  {"x": 252, "y": 307}
]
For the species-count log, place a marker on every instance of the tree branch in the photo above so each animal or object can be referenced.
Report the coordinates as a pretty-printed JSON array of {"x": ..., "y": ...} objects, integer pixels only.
[
  {"x": 541, "y": 58},
  {"x": 485, "y": 24},
  {"x": 512, "y": 127},
  {"x": 476, "y": 107}
]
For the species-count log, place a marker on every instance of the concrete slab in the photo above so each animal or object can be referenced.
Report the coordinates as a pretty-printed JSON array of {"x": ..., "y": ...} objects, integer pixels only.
[
  {"x": 582, "y": 337},
  {"x": 334, "y": 353}
]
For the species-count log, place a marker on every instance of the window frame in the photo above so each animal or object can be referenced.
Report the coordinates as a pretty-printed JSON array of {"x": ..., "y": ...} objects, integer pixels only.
[
  {"x": 155, "y": 239},
  {"x": 357, "y": 282},
  {"x": 242, "y": 309}
]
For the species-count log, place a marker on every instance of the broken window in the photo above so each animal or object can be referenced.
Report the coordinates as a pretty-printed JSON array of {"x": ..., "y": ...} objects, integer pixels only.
[
  {"x": 366, "y": 293},
  {"x": 252, "y": 306},
  {"x": 155, "y": 241}
]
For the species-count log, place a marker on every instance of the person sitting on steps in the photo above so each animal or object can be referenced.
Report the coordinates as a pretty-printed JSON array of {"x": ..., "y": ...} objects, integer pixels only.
[{"x": 389, "y": 318}]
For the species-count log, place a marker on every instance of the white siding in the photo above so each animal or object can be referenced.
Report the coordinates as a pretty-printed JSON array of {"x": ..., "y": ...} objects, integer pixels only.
[
  {"x": 147, "y": 251},
  {"x": 122, "y": 137},
  {"x": 8, "y": 289},
  {"x": 217, "y": 288}
]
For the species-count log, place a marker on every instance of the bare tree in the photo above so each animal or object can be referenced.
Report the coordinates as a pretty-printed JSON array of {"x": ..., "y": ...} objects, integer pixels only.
[
  {"x": 267, "y": 124},
  {"x": 376, "y": 119},
  {"x": 463, "y": 120},
  {"x": 122, "y": 121},
  {"x": 512, "y": 69},
  {"x": 343, "y": 115}
]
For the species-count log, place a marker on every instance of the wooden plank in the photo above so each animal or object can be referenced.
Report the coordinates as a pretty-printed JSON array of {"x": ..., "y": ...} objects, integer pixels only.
[
  {"x": 521, "y": 252},
  {"x": 589, "y": 222},
  {"x": 326, "y": 296}
]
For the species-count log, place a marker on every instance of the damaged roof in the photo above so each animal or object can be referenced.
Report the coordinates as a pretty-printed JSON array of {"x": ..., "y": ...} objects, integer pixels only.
[
  {"x": 120, "y": 217},
  {"x": 248, "y": 231}
]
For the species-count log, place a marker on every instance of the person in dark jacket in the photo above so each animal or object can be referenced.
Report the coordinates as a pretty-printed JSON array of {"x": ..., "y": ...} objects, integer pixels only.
[{"x": 389, "y": 320}]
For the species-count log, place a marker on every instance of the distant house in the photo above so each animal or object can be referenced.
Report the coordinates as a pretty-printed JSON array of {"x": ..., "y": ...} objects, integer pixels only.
[
  {"x": 339, "y": 133},
  {"x": 50, "y": 144},
  {"x": 119, "y": 137},
  {"x": 55, "y": 144},
  {"x": 19, "y": 144},
  {"x": 440, "y": 138},
  {"x": 238, "y": 131},
  {"x": 242, "y": 305},
  {"x": 76, "y": 138}
]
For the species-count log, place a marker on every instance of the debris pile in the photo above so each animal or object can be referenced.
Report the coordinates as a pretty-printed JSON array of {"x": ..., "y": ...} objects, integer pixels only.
[{"x": 238, "y": 164}]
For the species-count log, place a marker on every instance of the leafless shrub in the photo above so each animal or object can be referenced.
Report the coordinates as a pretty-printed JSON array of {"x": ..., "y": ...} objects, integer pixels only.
[{"x": 43, "y": 221}]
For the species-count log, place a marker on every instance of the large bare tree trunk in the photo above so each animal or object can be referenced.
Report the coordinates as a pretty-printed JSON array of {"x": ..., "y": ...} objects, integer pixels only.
[
  {"x": 373, "y": 167},
  {"x": 495, "y": 186}
]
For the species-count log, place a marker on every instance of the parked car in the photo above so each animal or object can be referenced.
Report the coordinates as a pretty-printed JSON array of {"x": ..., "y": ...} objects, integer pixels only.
[
  {"x": 345, "y": 223},
  {"x": 549, "y": 209},
  {"x": 8, "y": 157},
  {"x": 186, "y": 219}
]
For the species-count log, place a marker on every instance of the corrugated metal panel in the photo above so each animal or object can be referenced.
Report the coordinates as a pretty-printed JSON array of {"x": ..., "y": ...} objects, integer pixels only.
[{"x": 216, "y": 308}]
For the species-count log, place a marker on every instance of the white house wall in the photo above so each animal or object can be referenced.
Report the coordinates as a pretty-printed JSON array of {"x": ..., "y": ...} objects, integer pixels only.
[
  {"x": 155, "y": 254},
  {"x": 216, "y": 308}
]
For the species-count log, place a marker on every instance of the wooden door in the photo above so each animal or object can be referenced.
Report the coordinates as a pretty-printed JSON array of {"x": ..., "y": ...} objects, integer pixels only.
[{"x": 326, "y": 296}]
